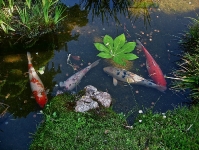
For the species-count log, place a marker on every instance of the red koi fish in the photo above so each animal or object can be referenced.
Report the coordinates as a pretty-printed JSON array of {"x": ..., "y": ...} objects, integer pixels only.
[
  {"x": 36, "y": 84},
  {"x": 153, "y": 68},
  {"x": 75, "y": 57}
]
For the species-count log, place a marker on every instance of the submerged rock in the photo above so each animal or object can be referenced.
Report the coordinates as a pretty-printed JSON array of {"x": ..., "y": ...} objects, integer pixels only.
[{"x": 92, "y": 98}]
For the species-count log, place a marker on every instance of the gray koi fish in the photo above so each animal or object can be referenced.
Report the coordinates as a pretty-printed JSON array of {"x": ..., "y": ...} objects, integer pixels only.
[
  {"x": 74, "y": 80},
  {"x": 129, "y": 77}
]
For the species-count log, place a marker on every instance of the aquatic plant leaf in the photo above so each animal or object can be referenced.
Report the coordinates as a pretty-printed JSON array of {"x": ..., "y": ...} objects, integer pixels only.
[
  {"x": 118, "y": 49},
  {"x": 104, "y": 55},
  {"x": 119, "y": 42},
  {"x": 118, "y": 60},
  {"x": 41, "y": 70},
  {"x": 129, "y": 56},
  {"x": 101, "y": 47},
  {"x": 108, "y": 41},
  {"x": 128, "y": 47}
]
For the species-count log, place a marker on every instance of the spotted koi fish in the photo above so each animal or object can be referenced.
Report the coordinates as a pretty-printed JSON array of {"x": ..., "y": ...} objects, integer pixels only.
[
  {"x": 129, "y": 77},
  {"x": 36, "y": 84},
  {"x": 74, "y": 80},
  {"x": 153, "y": 68}
]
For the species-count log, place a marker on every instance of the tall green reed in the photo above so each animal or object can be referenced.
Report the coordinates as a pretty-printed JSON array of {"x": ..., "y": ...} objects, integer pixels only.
[
  {"x": 11, "y": 6},
  {"x": 2, "y": 3},
  {"x": 5, "y": 27},
  {"x": 28, "y": 3},
  {"x": 24, "y": 16},
  {"x": 46, "y": 9},
  {"x": 59, "y": 10}
]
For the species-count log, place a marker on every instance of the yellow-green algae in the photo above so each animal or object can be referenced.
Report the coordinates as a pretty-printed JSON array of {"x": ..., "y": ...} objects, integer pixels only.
[{"x": 178, "y": 6}]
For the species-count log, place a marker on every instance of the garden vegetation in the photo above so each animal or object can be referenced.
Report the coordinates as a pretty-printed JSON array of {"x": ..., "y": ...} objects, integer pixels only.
[{"x": 26, "y": 21}]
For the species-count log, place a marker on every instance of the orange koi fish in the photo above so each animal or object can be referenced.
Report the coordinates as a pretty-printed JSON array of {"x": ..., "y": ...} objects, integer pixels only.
[{"x": 36, "y": 84}]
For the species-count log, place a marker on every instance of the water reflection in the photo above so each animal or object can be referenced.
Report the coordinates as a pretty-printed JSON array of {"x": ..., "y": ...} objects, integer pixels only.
[
  {"x": 50, "y": 41},
  {"x": 14, "y": 83},
  {"x": 77, "y": 36},
  {"x": 110, "y": 9}
]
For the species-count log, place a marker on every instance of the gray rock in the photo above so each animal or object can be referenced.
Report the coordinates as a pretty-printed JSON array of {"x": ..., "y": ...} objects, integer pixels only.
[
  {"x": 85, "y": 104},
  {"x": 90, "y": 90},
  {"x": 104, "y": 98},
  {"x": 92, "y": 99}
]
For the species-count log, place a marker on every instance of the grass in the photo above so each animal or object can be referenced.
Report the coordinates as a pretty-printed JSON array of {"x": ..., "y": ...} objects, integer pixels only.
[
  {"x": 26, "y": 21},
  {"x": 188, "y": 72},
  {"x": 190, "y": 41},
  {"x": 104, "y": 129}
]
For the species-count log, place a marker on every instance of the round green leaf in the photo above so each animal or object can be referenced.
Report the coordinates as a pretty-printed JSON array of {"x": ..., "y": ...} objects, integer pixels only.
[
  {"x": 119, "y": 42},
  {"x": 108, "y": 41},
  {"x": 104, "y": 55},
  {"x": 101, "y": 47}
]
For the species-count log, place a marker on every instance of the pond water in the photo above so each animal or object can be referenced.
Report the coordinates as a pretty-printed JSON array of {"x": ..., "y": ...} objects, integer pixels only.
[{"x": 158, "y": 27}]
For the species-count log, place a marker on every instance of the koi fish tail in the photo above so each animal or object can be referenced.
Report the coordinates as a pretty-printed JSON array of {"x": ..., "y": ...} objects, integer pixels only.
[
  {"x": 61, "y": 84},
  {"x": 29, "y": 57},
  {"x": 95, "y": 63},
  {"x": 161, "y": 88},
  {"x": 139, "y": 44}
]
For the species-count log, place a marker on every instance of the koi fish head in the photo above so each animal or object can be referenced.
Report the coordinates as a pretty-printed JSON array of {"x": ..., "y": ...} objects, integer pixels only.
[
  {"x": 109, "y": 70},
  {"x": 68, "y": 84},
  {"x": 119, "y": 74}
]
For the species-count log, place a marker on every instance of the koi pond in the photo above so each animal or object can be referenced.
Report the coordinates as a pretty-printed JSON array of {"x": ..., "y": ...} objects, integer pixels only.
[{"x": 158, "y": 25}]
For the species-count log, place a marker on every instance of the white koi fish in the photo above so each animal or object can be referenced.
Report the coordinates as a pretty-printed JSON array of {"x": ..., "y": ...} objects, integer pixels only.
[
  {"x": 129, "y": 77},
  {"x": 36, "y": 84},
  {"x": 74, "y": 80}
]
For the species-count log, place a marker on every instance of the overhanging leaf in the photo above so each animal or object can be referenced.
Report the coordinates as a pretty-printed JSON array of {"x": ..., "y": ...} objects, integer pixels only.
[
  {"x": 108, "y": 41},
  {"x": 119, "y": 42},
  {"x": 104, "y": 55},
  {"x": 101, "y": 47}
]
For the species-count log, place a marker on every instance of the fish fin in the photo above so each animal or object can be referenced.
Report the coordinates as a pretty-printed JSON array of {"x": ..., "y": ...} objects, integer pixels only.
[
  {"x": 47, "y": 91},
  {"x": 95, "y": 63},
  {"x": 32, "y": 96},
  {"x": 61, "y": 84},
  {"x": 114, "y": 81},
  {"x": 139, "y": 44}
]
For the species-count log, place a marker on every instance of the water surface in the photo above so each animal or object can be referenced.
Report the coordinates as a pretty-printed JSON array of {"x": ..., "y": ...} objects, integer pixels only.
[{"x": 158, "y": 28}]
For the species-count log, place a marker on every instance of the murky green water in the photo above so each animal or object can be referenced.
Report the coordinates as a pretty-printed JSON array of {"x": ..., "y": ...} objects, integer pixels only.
[{"x": 158, "y": 28}]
